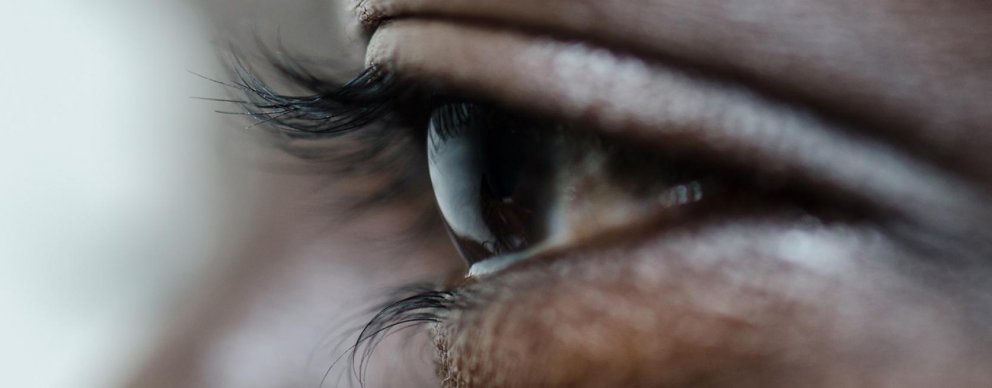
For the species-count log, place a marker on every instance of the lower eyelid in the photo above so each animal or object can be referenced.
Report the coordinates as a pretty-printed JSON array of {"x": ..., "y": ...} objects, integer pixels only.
[{"x": 659, "y": 104}]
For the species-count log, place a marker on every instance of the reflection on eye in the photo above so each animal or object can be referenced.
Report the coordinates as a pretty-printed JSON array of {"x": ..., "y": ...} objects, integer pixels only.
[
  {"x": 512, "y": 188},
  {"x": 509, "y": 187},
  {"x": 493, "y": 178}
]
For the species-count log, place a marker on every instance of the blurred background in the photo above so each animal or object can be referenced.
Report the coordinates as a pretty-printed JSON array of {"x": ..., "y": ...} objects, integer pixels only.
[{"x": 121, "y": 194}]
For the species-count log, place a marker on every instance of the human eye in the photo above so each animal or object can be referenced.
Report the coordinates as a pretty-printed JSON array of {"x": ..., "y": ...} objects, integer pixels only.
[
  {"x": 510, "y": 187},
  {"x": 617, "y": 210}
]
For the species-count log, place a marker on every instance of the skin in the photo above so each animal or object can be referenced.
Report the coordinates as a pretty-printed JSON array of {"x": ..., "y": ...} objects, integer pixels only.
[
  {"x": 855, "y": 99},
  {"x": 880, "y": 104}
]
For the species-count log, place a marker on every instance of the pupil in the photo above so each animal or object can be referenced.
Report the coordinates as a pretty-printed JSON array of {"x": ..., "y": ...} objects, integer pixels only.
[{"x": 503, "y": 163}]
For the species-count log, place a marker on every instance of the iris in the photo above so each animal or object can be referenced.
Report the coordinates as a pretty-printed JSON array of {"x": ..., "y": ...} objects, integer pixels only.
[{"x": 509, "y": 186}]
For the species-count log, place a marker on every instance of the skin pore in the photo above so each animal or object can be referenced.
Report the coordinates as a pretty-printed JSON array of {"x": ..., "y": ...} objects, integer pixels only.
[{"x": 880, "y": 104}]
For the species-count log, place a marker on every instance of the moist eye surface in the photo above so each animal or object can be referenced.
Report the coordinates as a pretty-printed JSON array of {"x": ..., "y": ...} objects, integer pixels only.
[
  {"x": 493, "y": 177},
  {"x": 508, "y": 186}
]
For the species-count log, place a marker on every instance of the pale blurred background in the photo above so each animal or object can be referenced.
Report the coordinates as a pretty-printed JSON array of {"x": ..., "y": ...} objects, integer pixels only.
[{"x": 120, "y": 192}]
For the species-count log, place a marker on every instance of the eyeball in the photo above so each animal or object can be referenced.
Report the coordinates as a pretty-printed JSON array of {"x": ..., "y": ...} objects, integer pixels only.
[
  {"x": 508, "y": 186},
  {"x": 492, "y": 177}
]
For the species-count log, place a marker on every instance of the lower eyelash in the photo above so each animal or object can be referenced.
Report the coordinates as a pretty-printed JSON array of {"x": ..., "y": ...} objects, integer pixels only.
[
  {"x": 415, "y": 306},
  {"x": 370, "y": 126}
]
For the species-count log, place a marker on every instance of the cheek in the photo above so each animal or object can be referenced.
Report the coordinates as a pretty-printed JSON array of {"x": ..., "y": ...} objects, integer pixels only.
[{"x": 728, "y": 314}]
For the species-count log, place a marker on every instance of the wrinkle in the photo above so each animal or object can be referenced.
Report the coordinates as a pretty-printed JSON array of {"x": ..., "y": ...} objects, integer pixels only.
[
  {"x": 910, "y": 71},
  {"x": 658, "y": 104}
]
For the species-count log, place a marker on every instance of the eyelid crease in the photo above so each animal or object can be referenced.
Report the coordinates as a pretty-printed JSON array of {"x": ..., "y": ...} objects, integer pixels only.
[
  {"x": 868, "y": 63},
  {"x": 625, "y": 95}
]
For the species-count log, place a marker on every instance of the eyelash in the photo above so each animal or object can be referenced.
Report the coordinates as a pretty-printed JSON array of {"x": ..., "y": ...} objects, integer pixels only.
[
  {"x": 383, "y": 119},
  {"x": 368, "y": 125},
  {"x": 323, "y": 111}
]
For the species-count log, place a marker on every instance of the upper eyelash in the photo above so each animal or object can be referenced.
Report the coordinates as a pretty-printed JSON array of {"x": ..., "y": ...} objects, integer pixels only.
[
  {"x": 328, "y": 110},
  {"x": 321, "y": 105},
  {"x": 368, "y": 125},
  {"x": 381, "y": 111},
  {"x": 366, "y": 109}
]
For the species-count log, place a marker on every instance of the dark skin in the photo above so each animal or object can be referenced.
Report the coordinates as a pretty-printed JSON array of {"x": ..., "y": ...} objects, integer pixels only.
[{"x": 882, "y": 104}]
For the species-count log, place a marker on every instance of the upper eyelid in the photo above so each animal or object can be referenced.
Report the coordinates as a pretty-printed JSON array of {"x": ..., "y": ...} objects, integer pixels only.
[
  {"x": 922, "y": 88},
  {"x": 624, "y": 94},
  {"x": 652, "y": 101}
]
